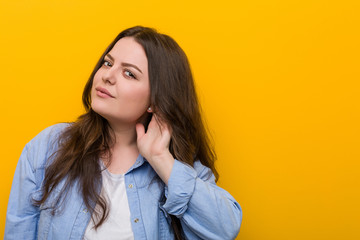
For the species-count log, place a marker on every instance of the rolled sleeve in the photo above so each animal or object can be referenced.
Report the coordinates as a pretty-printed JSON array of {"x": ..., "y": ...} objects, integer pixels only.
[
  {"x": 205, "y": 210},
  {"x": 180, "y": 188}
]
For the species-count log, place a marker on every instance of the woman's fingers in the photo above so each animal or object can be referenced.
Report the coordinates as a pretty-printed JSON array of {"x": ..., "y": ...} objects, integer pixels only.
[
  {"x": 162, "y": 125},
  {"x": 140, "y": 130},
  {"x": 156, "y": 140}
]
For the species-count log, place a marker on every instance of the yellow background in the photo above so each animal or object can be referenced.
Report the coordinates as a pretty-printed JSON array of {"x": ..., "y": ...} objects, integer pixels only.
[{"x": 278, "y": 81}]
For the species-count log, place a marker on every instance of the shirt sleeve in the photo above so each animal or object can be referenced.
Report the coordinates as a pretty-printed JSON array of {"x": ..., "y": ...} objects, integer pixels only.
[
  {"x": 22, "y": 215},
  {"x": 205, "y": 210}
]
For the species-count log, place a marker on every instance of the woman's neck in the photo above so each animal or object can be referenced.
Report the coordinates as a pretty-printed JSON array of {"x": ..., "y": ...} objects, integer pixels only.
[
  {"x": 124, "y": 151},
  {"x": 125, "y": 136}
]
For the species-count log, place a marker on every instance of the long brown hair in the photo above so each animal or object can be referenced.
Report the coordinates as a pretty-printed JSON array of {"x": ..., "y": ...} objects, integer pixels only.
[{"x": 173, "y": 98}]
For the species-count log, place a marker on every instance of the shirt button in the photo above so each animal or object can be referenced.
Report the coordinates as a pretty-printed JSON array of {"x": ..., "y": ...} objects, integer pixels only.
[
  {"x": 85, "y": 210},
  {"x": 130, "y": 186},
  {"x": 136, "y": 220}
]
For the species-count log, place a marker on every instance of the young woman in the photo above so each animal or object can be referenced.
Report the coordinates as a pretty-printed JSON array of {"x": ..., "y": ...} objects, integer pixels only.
[{"x": 137, "y": 165}]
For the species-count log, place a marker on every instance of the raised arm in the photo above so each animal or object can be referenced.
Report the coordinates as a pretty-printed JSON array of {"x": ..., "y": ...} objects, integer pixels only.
[{"x": 205, "y": 210}]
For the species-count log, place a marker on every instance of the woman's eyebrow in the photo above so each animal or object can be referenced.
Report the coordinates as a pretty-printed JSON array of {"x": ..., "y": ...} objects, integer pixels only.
[
  {"x": 109, "y": 56},
  {"x": 123, "y": 63}
]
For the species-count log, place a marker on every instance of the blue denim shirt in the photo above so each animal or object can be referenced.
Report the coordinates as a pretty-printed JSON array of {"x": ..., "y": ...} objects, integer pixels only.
[{"x": 205, "y": 210}]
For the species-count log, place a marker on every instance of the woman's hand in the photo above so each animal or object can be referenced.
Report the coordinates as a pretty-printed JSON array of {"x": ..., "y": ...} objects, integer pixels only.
[{"x": 154, "y": 146}]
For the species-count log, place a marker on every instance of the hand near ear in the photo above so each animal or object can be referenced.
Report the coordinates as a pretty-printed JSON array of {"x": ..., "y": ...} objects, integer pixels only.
[{"x": 154, "y": 146}]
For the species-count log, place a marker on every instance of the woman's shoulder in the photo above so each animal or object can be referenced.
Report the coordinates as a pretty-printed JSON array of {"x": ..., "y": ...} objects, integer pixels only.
[
  {"x": 49, "y": 133},
  {"x": 44, "y": 143},
  {"x": 54, "y": 129}
]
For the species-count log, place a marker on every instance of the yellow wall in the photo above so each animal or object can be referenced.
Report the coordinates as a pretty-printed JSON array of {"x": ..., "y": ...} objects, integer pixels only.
[{"x": 279, "y": 82}]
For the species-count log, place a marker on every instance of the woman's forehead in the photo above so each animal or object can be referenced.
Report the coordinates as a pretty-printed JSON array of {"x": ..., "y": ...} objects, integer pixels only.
[
  {"x": 128, "y": 48},
  {"x": 127, "y": 51}
]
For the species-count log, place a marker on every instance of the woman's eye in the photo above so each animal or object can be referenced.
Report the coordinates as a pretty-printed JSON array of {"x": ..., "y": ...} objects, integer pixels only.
[
  {"x": 129, "y": 74},
  {"x": 106, "y": 63}
]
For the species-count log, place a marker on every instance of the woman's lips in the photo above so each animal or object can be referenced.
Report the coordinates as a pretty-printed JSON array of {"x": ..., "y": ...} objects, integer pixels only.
[{"x": 102, "y": 92}]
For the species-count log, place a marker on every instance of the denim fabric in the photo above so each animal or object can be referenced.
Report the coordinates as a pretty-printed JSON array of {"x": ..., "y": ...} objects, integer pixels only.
[{"x": 205, "y": 210}]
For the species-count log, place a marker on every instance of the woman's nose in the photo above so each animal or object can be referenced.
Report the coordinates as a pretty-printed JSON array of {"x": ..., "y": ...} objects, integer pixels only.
[{"x": 109, "y": 76}]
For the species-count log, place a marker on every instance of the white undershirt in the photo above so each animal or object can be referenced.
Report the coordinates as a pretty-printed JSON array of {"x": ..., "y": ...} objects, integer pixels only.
[{"x": 117, "y": 225}]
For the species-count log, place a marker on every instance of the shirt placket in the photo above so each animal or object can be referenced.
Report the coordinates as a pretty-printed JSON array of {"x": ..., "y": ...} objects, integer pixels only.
[
  {"x": 134, "y": 205},
  {"x": 83, "y": 216}
]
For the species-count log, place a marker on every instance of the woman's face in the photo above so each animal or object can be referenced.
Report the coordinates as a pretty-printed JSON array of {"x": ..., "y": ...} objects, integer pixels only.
[{"x": 121, "y": 90}]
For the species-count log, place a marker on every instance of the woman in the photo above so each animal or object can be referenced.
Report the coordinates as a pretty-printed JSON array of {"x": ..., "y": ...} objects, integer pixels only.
[{"x": 138, "y": 163}]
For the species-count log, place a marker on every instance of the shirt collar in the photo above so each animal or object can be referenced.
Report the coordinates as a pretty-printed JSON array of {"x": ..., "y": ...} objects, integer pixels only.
[{"x": 140, "y": 160}]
